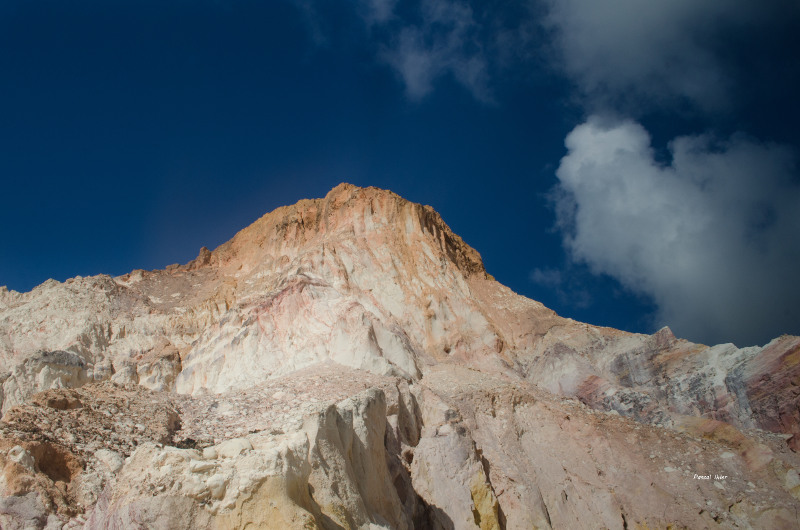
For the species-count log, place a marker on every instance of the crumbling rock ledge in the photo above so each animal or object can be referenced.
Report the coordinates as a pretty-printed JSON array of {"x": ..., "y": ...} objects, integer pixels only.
[{"x": 458, "y": 449}]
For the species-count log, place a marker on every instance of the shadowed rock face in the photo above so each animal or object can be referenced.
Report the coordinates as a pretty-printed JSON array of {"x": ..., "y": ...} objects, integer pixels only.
[{"x": 347, "y": 362}]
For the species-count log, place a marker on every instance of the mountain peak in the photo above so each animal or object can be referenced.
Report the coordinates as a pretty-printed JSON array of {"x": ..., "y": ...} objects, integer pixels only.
[
  {"x": 346, "y": 361},
  {"x": 342, "y": 188},
  {"x": 348, "y": 213}
]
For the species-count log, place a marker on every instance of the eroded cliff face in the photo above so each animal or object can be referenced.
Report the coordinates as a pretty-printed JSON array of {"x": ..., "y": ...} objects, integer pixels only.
[
  {"x": 361, "y": 277},
  {"x": 346, "y": 362}
]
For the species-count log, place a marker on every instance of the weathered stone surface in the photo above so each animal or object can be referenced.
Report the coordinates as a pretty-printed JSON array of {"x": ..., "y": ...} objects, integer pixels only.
[
  {"x": 43, "y": 371},
  {"x": 347, "y": 362}
]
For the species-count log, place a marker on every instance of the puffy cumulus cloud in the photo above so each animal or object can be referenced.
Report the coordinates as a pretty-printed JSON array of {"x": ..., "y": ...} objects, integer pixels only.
[
  {"x": 713, "y": 236},
  {"x": 646, "y": 52},
  {"x": 444, "y": 40}
]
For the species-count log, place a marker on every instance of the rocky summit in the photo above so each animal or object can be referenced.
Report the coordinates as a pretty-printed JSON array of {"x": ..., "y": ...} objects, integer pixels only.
[{"x": 347, "y": 362}]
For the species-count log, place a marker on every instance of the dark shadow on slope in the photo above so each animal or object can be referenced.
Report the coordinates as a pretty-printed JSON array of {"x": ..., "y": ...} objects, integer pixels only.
[{"x": 422, "y": 515}]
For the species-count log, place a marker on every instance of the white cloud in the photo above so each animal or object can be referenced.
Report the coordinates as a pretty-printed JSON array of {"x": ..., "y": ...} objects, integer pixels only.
[
  {"x": 623, "y": 53},
  {"x": 713, "y": 237},
  {"x": 443, "y": 42}
]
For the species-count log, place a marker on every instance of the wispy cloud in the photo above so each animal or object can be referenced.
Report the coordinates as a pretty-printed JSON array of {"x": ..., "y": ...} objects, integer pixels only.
[
  {"x": 428, "y": 41},
  {"x": 625, "y": 53},
  {"x": 713, "y": 237},
  {"x": 377, "y": 11},
  {"x": 444, "y": 41},
  {"x": 550, "y": 278}
]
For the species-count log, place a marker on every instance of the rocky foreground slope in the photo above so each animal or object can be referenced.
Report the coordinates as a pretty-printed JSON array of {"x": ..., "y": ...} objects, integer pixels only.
[{"x": 347, "y": 362}]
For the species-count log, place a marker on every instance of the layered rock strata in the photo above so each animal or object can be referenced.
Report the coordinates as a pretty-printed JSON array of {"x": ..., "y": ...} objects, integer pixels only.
[{"x": 347, "y": 362}]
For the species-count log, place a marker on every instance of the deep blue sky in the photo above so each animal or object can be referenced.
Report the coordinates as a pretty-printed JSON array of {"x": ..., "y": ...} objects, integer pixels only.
[{"x": 134, "y": 132}]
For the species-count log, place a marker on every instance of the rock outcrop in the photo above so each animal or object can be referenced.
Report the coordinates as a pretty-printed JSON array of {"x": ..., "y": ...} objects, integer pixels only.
[{"x": 347, "y": 362}]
